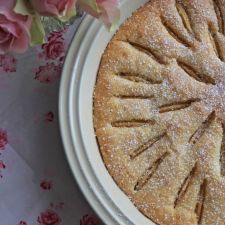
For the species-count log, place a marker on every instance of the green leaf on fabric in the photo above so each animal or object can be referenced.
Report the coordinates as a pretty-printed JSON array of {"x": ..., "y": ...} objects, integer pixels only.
[
  {"x": 114, "y": 25},
  {"x": 37, "y": 31},
  {"x": 23, "y": 7},
  {"x": 70, "y": 13}
]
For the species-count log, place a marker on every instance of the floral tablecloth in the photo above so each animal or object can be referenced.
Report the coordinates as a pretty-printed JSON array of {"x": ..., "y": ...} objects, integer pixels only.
[{"x": 36, "y": 185}]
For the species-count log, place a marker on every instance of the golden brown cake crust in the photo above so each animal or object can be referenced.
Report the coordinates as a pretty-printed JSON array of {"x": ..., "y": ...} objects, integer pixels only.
[{"x": 159, "y": 110}]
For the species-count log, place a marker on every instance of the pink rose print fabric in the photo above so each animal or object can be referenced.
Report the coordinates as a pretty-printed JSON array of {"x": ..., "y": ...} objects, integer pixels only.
[
  {"x": 46, "y": 185},
  {"x": 90, "y": 220},
  {"x": 49, "y": 116},
  {"x": 3, "y": 139},
  {"x": 7, "y": 64},
  {"x": 22, "y": 223},
  {"x": 48, "y": 73},
  {"x": 49, "y": 217},
  {"x": 36, "y": 185},
  {"x": 55, "y": 46},
  {"x": 3, "y": 143},
  {"x": 52, "y": 54}
]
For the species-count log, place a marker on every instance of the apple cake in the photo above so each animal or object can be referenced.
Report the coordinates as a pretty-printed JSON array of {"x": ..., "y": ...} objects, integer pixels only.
[{"x": 159, "y": 111}]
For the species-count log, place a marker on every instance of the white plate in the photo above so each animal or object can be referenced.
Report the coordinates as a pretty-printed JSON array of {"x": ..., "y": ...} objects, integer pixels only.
[{"x": 75, "y": 111}]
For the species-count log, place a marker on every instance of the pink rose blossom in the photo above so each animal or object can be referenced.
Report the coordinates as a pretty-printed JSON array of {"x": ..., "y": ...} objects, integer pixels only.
[
  {"x": 110, "y": 13},
  {"x": 53, "y": 7},
  {"x": 107, "y": 10},
  {"x": 14, "y": 29}
]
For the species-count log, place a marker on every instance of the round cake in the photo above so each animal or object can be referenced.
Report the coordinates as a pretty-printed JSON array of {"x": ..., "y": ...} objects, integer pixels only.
[{"x": 159, "y": 111}]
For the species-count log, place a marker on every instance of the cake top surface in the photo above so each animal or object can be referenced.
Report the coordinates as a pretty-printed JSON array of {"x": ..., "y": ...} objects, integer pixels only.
[{"x": 159, "y": 110}]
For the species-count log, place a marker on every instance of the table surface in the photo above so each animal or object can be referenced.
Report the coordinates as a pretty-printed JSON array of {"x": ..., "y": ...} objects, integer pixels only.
[{"x": 36, "y": 185}]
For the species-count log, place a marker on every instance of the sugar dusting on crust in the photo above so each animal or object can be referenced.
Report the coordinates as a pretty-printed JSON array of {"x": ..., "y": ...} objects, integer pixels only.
[
  {"x": 215, "y": 99},
  {"x": 177, "y": 69}
]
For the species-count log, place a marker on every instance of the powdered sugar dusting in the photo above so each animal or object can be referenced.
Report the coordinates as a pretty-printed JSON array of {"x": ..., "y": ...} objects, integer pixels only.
[
  {"x": 215, "y": 99},
  {"x": 166, "y": 65}
]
